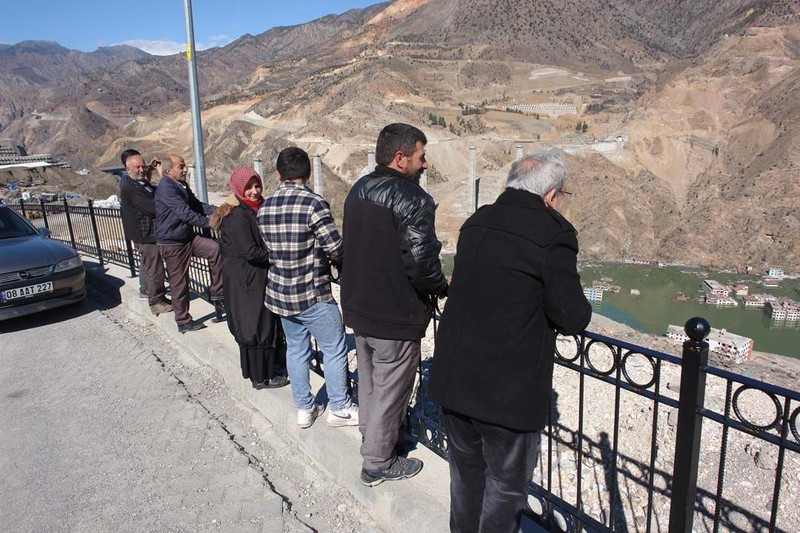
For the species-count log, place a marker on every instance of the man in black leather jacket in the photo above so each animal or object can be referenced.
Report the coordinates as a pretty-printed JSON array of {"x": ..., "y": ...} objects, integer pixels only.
[{"x": 390, "y": 276}]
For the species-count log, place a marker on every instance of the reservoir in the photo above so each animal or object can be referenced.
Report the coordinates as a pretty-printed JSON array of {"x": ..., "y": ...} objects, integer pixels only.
[{"x": 656, "y": 305}]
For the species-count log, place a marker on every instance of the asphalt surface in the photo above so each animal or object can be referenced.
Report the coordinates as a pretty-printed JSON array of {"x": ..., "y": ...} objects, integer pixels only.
[{"x": 103, "y": 428}]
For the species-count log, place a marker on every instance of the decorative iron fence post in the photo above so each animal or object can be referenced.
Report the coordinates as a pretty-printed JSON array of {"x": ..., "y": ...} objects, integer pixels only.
[
  {"x": 69, "y": 225},
  {"x": 690, "y": 425},
  {"x": 131, "y": 262},
  {"x": 94, "y": 230},
  {"x": 44, "y": 213}
]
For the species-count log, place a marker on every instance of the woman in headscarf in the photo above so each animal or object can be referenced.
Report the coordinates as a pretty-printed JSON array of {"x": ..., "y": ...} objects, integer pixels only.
[{"x": 256, "y": 329}]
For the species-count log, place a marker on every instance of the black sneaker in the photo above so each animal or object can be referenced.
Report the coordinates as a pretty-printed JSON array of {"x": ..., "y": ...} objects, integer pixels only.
[
  {"x": 401, "y": 468},
  {"x": 190, "y": 326}
]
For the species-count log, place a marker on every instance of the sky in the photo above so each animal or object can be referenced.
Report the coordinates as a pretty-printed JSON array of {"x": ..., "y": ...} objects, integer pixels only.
[{"x": 155, "y": 26}]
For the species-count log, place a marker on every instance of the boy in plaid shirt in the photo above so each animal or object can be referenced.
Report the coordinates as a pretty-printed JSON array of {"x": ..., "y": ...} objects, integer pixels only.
[{"x": 298, "y": 229}]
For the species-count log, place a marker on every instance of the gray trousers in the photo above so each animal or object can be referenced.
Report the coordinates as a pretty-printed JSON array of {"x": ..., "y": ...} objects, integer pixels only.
[
  {"x": 386, "y": 371},
  {"x": 151, "y": 268}
]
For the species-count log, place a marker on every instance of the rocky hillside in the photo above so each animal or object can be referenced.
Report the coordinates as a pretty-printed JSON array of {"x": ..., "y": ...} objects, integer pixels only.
[{"x": 699, "y": 95}]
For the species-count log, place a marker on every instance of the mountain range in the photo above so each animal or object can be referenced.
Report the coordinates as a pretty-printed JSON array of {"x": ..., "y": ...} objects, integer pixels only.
[{"x": 680, "y": 119}]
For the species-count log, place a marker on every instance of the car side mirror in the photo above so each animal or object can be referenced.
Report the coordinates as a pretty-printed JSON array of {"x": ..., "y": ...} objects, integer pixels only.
[{"x": 44, "y": 232}]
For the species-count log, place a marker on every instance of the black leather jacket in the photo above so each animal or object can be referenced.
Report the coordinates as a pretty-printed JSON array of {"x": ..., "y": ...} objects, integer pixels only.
[{"x": 391, "y": 257}]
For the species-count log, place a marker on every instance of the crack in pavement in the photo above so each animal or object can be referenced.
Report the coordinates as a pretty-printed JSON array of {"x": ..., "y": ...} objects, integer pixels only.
[{"x": 253, "y": 461}]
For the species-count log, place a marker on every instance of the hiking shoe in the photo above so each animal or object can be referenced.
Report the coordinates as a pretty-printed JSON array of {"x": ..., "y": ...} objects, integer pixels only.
[
  {"x": 343, "y": 417},
  {"x": 306, "y": 417},
  {"x": 160, "y": 307},
  {"x": 401, "y": 468},
  {"x": 143, "y": 295},
  {"x": 190, "y": 326}
]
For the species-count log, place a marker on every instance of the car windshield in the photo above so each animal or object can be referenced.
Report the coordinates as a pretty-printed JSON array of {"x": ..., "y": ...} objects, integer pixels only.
[{"x": 12, "y": 225}]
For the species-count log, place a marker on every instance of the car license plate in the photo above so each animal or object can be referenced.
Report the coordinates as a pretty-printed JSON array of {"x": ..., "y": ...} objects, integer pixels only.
[{"x": 26, "y": 292}]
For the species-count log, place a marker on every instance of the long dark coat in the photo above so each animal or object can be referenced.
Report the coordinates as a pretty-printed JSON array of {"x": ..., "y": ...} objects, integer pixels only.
[
  {"x": 244, "y": 277},
  {"x": 515, "y": 285}
]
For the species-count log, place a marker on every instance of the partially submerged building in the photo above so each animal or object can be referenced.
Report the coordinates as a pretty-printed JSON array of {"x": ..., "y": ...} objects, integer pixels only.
[{"x": 734, "y": 348}]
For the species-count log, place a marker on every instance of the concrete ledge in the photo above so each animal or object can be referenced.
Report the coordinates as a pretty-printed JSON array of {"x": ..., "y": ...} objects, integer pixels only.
[{"x": 420, "y": 504}]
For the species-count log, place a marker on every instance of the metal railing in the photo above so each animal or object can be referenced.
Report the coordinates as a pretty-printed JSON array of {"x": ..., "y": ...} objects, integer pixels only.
[{"x": 634, "y": 441}]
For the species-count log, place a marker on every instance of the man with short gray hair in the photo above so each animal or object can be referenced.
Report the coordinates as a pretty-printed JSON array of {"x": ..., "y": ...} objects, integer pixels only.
[
  {"x": 514, "y": 288},
  {"x": 178, "y": 212}
]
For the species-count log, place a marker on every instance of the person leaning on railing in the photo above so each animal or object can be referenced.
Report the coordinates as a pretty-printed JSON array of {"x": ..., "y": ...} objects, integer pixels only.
[
  {"x": 515, "y": 286},
  {"x": 178, "y": 211},
  {"x": 391, "y": 274},
  {"x": 298, "y": 228}
]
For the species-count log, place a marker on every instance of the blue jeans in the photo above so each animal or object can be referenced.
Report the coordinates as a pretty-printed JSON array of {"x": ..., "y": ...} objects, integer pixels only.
[{"x": 324, "y": 321}]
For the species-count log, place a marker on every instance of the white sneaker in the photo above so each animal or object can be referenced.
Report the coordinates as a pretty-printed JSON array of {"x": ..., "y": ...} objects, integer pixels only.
[
  {"x": 343, "y": 417},
  {"x": 306, "y": 417}
]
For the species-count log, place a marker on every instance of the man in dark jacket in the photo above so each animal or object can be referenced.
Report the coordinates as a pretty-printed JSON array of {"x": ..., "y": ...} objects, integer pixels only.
[
  {"x": 391, "y": 273},
  {"x": 178, "y": 211},
  {"x": 137, "y": 200},
  {"x": 515, "y": 286},
  {"x": 123, "y": 181}
]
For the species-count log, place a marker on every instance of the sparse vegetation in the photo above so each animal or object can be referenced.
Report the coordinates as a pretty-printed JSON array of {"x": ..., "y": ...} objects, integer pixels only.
[{"x": 436, "y": 120}]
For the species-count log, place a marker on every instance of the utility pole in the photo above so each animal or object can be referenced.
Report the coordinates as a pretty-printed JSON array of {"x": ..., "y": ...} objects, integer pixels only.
[{"x": 197, "y": 128}]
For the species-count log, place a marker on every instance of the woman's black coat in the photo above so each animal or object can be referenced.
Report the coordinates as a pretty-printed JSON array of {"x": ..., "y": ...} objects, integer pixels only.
[{"x": 244, "y": 277}]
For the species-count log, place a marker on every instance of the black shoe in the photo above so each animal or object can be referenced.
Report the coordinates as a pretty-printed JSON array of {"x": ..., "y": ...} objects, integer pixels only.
[
  {"x": 401, "y": 468},
  {"x": 190, "y": 326},
  {"x": 275, "y": 383}
]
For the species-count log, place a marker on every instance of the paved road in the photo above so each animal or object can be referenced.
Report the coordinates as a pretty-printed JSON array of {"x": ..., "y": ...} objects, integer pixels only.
[{"x": 98, "y": 433}]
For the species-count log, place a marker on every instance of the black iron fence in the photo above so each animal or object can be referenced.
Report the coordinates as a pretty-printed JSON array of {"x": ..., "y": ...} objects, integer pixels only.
[{"x": 637, "y": 440}]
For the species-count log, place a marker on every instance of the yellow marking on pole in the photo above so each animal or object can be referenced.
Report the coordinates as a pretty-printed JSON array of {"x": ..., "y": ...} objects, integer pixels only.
[{"x": 188, "y": 52}]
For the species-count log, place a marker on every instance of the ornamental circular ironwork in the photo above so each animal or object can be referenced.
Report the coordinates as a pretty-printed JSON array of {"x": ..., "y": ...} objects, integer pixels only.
[
  {"x": 535, "y": 504},
  {"x": 793, "y": 424},
  {"x": 568, "y": 339},
  {"x": 591, "y": 365},
  {"x": 752, "y": 425},
  {"x": 627, "y": 375}
]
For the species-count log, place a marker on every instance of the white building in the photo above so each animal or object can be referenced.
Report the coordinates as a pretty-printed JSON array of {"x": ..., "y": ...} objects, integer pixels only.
[
  {"x": 734, "y": 347},
  {"x": 721, "y": 301},
  {"x": 716, "y": 288},
  {"x": 775, "y": 273},
  {"x": 783, "y": 309},
  {"x": 593, "y": 294}
]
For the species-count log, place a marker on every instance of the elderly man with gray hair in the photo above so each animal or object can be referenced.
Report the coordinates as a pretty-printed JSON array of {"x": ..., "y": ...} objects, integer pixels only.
[{"x": 514, "y": 288}]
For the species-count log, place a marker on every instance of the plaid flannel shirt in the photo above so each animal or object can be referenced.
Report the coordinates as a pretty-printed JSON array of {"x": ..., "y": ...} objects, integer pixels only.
[{"x": 298, "y": 229}]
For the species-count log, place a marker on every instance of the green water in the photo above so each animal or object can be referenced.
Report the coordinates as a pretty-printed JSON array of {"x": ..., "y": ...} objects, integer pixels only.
[{"x": 655, "y": 308}]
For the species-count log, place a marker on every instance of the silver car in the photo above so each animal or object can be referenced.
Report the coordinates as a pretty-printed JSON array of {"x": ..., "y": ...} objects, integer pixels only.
[{"x": 36, "y": 273}]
